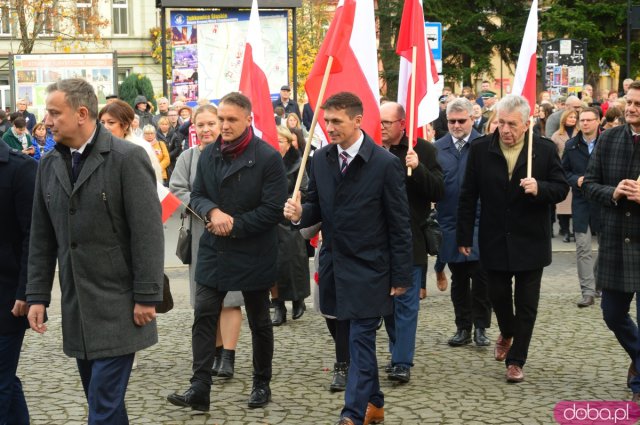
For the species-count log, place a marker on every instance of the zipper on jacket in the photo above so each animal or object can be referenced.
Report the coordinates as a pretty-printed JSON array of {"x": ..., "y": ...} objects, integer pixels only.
[{"x": 106, "y": 205}]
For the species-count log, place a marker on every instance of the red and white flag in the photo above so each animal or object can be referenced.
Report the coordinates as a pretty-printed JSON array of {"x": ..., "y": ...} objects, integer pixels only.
[
  {"x": 351, "y": 40},
  {"x": 412, "y": 34},
  {"x": 168, "y": 200},
  {"x": 254, "y": 84},
  {"x": 524, "y": 82}
]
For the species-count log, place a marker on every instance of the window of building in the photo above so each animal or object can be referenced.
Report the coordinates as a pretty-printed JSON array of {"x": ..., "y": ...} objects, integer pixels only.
[
  {"x": 84, "y": 9},
  {"x": 5, "y": 19},
  {"x": 47, "y": 24},
  {"x": 120, "y": 17}
]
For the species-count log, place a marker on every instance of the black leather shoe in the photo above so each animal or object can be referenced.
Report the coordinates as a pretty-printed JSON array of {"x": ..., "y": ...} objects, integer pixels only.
[
  {"x": 388, "y": 368},
  {"x": 340, "y": 373},
  {"x": 480, "y": 338},
  {"x": 586, "y": 301},
  {"x": 462, "y": 337},
  {"x": 197, "y": 400},
  {"x": 279, "y": 313},
  {"x": 227, "y": 364},
  {"x": 298, "y": 309},
  {"x": 216, "y": 361},
  {"x": 400, "y": 374},
  {"x": 260, "y": 395}
]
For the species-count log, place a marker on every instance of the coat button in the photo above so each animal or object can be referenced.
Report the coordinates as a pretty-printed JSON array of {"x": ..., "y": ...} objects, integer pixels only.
[
  {"x": 72, "y": 211},
  {"x": 628, "y": 214},
  {"x": 627, "y": 240},
  {"x": 74, "y": 245}
]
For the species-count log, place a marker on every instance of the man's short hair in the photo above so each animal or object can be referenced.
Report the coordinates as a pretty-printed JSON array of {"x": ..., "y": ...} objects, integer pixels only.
[
  {"x": 19, "y": 122},
  {"x": 346, "y": 101},
  {"x": 514, "y": 103},
  {"x": 461, "y": 104},
  {"x": 239, "y": 100},
  {"x": 162, "y": 99},
  {"x": 15, "y": 115},
  {"x": 595, "y": 111},
  {"x": 635, "y": 85},
  {"x": 77, "y": 93}
]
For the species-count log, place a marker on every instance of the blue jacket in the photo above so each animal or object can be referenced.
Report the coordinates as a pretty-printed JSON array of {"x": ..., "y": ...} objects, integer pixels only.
[
  {"x": 49, "y": 144},
  {"x": 574, "y": 162},
  {"x": 453, "y": 165}
]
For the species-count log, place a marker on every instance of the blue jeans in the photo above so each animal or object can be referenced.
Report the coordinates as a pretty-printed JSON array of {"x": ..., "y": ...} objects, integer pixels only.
[
  {"x": 363, "y": 385},
  {"x": 403, "y": 323},
  {"x": 13, "y": 407},
  {"x": 105, "y": 384},
  {"x": 615, "y": 312}
]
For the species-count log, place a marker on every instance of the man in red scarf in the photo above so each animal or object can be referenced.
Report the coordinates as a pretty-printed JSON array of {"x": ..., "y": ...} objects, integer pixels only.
[{"x": 239, "y": 189}]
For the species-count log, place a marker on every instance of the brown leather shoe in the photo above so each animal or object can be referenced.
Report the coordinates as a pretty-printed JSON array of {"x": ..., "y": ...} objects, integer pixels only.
[
  {"x": 441, "y": 281},
  {"x": 502, "y": 348},
  {"x": 345, "y": 421},
  {"x": 374, "y": 415},
  {"x": 514, "y": 373}
]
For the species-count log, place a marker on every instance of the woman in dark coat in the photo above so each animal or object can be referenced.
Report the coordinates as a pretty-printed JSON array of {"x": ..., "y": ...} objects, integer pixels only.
[{"x": 293, "y": 261}]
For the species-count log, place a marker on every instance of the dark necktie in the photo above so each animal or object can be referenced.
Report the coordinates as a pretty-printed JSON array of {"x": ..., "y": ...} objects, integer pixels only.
[
  {"x": 75, "y": 165},
  {"x": 636, "y": 139},
  {"x": 345, "y": 162}
]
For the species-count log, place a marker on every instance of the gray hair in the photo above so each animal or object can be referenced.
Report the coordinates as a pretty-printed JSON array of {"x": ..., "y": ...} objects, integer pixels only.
[
  {"x": 514, "y": 103},
  {"x": 149, "y": 129},
  {"x": 162, "y": 99},
  {"x": 460, "y": 104},
  {"x": 77, "y": 93}
]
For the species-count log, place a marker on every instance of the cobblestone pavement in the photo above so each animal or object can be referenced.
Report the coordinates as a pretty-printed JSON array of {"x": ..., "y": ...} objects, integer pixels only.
[{"x": 573, "y": 357}]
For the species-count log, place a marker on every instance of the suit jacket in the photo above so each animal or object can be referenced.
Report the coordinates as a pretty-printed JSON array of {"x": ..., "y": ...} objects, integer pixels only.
[
  {"x": 424, "y": 186},
  {"x": 106, "y": 233},
  {"x": 613, "y": 160},
  {"x": 586, "y": 214},
  {"x": 17, "y": 181},
  {"x": 307, "y": 116},
  {"x": 366, "y": 231},
  {"x": 453, "y": 164},
  {"x": 515, "y": 230},
  {"x": 480, "y": 127}
]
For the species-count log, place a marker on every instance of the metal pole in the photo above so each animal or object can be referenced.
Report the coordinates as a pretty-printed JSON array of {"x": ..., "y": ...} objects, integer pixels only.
[
  {"x": 295, "y": 54},
  {"x": 628, "y": 39},
  {"x": 163, "y": 43}
]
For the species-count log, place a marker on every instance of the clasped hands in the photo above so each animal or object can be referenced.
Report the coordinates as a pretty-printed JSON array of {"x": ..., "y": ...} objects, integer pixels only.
[
  {"x": 220, "y": 223},
  {"x": 629, "y": 189}
]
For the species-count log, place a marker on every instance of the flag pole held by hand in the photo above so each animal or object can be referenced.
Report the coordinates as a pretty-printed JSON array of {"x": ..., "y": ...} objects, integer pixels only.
[
  {"x": 530, "y": 149},
  {"x": 412, "y": 106},
  {"x": 312, "y": 129}
]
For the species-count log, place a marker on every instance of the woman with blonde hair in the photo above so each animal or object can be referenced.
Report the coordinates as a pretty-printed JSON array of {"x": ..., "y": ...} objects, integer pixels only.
[{"x": 568, "y": 127}]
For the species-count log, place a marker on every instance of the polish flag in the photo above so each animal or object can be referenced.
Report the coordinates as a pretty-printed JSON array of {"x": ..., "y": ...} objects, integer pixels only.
[
  {"x": 412, "y": 34},
  {"x": 168, "y": 200},
  {"x": 351, "y": 40},
  {"x": 254, "y": 84},
  {"x": 524, "y": 82}
]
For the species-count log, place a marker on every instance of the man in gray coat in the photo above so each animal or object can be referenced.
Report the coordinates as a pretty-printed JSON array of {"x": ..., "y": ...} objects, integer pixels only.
[{"x": 96, "y": 212}]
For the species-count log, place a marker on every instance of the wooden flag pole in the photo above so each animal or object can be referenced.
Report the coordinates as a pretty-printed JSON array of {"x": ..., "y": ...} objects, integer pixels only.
[
  {"x": 530, "y": 149},
  {"x": 412, "y": 106},
  {"x": 312, "y": 129}
]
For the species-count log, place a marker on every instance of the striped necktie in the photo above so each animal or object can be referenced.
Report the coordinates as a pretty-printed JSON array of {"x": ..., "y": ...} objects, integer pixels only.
[{"x": 345, "y": 162}]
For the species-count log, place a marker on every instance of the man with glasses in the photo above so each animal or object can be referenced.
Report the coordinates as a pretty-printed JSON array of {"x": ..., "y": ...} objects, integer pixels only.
[
  {"x": 424, "y": 186},
  {"x": 586, "y": 214},
  {"x": 553, "y": 122},
  {"x": 469, "y": 293},
  {"x": 611, "y": 180},
  {"x": 514, "y": 234}
]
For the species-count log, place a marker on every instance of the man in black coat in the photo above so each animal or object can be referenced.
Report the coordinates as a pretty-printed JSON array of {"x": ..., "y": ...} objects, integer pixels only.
[
  {"x": 586, "y": 214},
  {"x": 424, "y": 186},
  {"x": 357, "y": 189},
  {"x": 514, "y": 230},
  {"x": 28, "y": 116},
  {"x": 240, "y": 188},
  {"x": 287, "y": 103},
  {"x": 17, "y": 181}
]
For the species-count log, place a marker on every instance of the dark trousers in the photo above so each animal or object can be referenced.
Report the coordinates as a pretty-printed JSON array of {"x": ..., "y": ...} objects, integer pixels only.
[
  {"x": 203, "y": 333},
  {"x": 524, "y": 297},
  {"x": 13, "y": 407},
  {"x": 339, "y": 330},
  {"x": 363, "y": 385},
  {"x": 615, "y": 312},
  {"x": 470, "y": 295},
  {"x": 105, "y": 384}
]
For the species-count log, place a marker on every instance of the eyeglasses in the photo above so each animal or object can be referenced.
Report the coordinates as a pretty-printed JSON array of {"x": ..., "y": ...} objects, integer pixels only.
[
  {"x": 387, "y": 124},
  {"x": 459, "y": 121}
]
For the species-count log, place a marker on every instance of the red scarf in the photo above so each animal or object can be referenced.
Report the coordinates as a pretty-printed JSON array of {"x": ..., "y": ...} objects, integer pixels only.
[{"x": 235, "y": 148}]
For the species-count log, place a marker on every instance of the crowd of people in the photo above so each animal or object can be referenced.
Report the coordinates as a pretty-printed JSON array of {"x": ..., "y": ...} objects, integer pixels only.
[{"x": 363, "y": 205}]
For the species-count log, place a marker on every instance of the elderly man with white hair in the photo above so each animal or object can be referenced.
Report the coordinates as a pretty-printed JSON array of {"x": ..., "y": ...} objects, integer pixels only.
[{"x": 514, "y": 231}]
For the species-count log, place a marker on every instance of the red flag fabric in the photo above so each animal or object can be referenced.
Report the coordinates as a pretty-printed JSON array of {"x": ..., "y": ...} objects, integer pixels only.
[
  {"x": 412, "y": 34},
  {"x": 524, "y": 82},
  {"x": 351, "y": 40},
  {"x": 254, "y": 83},
  {"x": 168, "y": 200}
]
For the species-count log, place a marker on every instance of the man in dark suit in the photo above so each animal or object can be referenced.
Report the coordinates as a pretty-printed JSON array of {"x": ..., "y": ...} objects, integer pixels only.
[
  {"x": 307, "y": 116},
  {"x": 17, "y": 181},
  {"x": 586, "y": 214},
  {"x": 96, "y": 212},
  {"x": 514, "y": 230},
  {"x": 612, "y": 181},
  {"x": 469, "y": 292},
  {"x": 287, "y": 103},
  {"x": 424, "y": 186},
  {"x": 357, "y": 189},
  {"x": 478, "y": 120}
]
